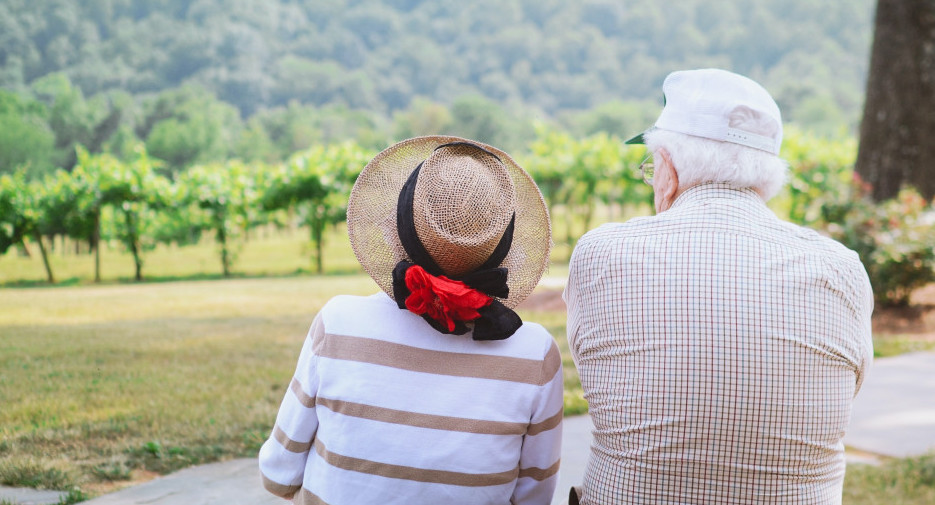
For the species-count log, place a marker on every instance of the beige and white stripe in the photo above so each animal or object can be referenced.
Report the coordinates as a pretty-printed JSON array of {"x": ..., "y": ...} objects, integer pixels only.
[
  {"x": 415, "y": 359},
  {"x": 398, "y": 410}
]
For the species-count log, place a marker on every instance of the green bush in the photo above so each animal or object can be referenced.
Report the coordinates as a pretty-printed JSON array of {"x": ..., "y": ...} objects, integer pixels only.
[{"x": 894, "y": 239}]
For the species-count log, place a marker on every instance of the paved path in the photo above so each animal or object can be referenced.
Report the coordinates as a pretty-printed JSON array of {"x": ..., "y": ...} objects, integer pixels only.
[
  {"x": 894, "y": 415},
  {"x": 22, "y": 496}
]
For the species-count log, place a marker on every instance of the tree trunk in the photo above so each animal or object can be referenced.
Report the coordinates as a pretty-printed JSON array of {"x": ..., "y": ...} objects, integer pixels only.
[
  {"x": 96, "y": 240},
  {"x": 45, "y": 259},
  {"x": 138, "y": 261},
  {"x": 318, "y": 226},
  {"x": 133, "y": 242},
  {"x": 896, "y": 146},
  {"x": 569, "y": 215},
  {"x": 589, "y": 198},
  {"x": 225, "y": 253}
]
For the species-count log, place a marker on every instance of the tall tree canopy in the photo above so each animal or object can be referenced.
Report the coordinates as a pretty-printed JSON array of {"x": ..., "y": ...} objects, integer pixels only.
[
  {"x": 379, "y": 55},
  {"x": 207, "y": 80}
]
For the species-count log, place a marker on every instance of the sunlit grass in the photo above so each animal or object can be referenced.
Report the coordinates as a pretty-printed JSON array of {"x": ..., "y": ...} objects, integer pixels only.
[
  {"x": 894, "y": 345},
  {"x": 266, "y": 252},
  {"x": 554, "y": 321},
  {"x": 91, "y": 375},
  {"x": 909, "y": 481},
  {"x": 100, "y": 382}
]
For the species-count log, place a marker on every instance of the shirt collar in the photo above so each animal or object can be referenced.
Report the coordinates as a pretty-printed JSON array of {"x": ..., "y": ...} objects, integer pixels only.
[{"x": 716, "y": 190}]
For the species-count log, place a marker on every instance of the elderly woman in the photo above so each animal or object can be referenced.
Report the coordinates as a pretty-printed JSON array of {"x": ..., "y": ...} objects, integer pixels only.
[{"x": 433, "y": 391}]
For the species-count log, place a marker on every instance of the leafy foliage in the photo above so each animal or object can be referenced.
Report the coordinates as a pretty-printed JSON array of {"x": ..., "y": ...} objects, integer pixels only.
[
  {"x": 316, "y": 184},
  {"x": 17, "y": 216},
  {"x": 25, "y": 137},
  {"x": 575, "y": 175},
  {"x": 129, "y": 192},
  {"x": 188, "y": 125},
  {"x": 893, "y": 238},
  {"x": 821, "y": 172},
  {"x": 380, "y": 55},
  {"x": 204, "y": 82},
  {"x": 104, "y": 198},
  {"x": 25, "y": 213},
  {"x": 223, "y": 199}
]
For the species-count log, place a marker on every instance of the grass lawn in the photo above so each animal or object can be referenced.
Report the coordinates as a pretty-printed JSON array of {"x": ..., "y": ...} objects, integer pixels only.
[
  {"x": 98, "y": 382},
  {"x": 268, "y": 252},
  {"x": 110, "y": 383}
]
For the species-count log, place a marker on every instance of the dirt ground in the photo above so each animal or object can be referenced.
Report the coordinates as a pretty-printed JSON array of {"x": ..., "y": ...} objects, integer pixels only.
[{"x": 916, "y": 321}]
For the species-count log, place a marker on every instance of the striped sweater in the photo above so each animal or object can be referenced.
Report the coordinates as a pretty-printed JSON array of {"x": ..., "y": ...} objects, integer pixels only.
[{"x": 383, "y": 409}]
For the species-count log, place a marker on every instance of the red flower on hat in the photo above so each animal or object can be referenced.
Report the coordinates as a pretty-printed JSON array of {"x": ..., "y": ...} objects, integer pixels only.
[{"x": 443, "y": 299}]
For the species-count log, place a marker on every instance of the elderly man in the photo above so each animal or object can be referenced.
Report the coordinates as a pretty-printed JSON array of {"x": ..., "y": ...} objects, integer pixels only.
[{"x": 719, "y": 348}]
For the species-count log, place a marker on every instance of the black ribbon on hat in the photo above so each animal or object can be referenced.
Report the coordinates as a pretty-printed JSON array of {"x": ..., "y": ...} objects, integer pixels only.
[{"x": 496, "y": 321}]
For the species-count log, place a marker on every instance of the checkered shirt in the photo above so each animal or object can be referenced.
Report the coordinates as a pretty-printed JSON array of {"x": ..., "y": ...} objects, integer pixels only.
[{"x": 720, "y": 350}]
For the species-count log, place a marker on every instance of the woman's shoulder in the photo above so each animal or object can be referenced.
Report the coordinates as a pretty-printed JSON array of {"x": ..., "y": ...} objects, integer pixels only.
[
  {"x": 377, "y": 301},
  {"x": 535, "y": 337}
]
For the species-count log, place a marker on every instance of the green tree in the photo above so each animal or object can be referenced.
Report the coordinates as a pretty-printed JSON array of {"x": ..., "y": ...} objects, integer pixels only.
[
  {"x": 296, "y": 127},
  {"x": 89, "y": 199},
  {"x": 21, "y": 215},
  {"x": 188, "y": 125},
  {"x": 15, "y": 213},
  {"x": 315, "y": 184},
  {"x": 135, "y": 193},
  {"x": 25, "y": 137},
  {"x": 74, "y": 120},
  {"x": 574, "y": 175},
  {"x": 554, "y": 57},
  {"x": 131, "y": 191},
  {"x": 254, "y": 143},
  {"x": 290, "y": 128},
  {"x": 225, "y": 197},
  {"x": 423, "y": 117},
  {"x": 547, "y": 162},
  {"x": 617, "y": 117},
  {"x": 478, "y": 118}
]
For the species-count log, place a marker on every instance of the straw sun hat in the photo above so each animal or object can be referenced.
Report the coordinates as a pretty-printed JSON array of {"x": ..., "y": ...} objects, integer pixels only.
[{"x": 467, "y": 199}]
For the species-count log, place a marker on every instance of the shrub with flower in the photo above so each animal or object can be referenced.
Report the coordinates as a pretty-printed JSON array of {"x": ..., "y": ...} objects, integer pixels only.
[{"x": 894, "y": 238}]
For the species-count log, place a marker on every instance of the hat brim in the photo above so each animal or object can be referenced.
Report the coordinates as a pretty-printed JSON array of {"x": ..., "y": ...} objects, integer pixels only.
[
  {"x": 639, "y": 138},
  {"x": 371, "y": 216}
]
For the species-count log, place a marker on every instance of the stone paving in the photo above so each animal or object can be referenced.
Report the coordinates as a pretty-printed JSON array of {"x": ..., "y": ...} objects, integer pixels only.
[{"x": 894, "y": 415}]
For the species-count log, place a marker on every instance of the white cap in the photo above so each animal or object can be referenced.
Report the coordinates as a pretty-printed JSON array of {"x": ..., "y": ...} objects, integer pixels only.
[{"x": 717, "y": 104}]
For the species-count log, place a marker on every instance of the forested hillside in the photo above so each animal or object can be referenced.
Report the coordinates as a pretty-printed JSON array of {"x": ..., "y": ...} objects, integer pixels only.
[{"x": 384, "y": 68}]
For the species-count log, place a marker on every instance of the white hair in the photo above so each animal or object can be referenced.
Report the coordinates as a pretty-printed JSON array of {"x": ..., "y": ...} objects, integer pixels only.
[{"x": 699, "y": 160}]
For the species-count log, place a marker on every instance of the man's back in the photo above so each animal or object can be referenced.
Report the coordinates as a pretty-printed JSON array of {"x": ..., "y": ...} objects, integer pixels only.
[{"x": 720, "y": 350}]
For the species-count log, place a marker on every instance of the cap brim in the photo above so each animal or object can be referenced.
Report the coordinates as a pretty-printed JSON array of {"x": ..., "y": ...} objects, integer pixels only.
[
  {"x": 636, "y": 140},
  {"x": 639, "y": 138}
]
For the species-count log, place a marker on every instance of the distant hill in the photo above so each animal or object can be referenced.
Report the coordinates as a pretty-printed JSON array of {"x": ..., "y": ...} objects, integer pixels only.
[{"x": 552, "y": 56}]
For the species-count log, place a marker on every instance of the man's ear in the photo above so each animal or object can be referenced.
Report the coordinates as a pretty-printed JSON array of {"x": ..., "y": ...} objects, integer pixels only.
[{"x": 671, "y": 189}]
